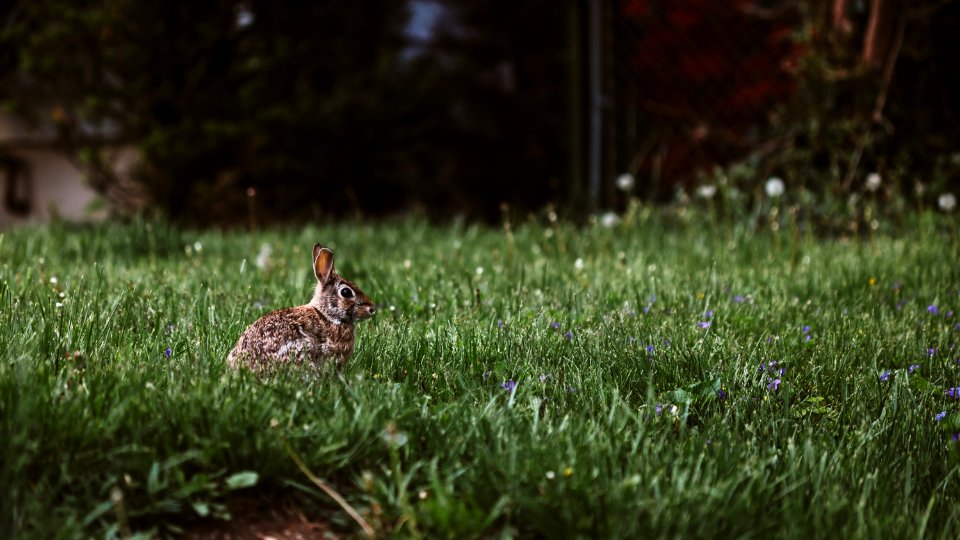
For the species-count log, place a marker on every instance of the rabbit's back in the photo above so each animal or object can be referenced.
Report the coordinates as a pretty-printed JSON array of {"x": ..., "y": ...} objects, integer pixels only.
[{"x": 299, "y": 334}]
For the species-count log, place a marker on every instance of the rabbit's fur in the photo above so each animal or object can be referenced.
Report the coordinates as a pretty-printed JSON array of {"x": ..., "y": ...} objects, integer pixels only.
[{"x": 318, "y": 331}]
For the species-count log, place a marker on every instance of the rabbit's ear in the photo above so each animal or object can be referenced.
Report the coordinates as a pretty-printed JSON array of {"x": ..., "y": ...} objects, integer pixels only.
[{"x": 322, "y": 263}]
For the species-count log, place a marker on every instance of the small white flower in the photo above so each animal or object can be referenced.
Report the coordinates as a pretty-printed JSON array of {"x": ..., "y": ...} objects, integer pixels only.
[
  {"x": 423, "y": 494},
  {"x": 407, "y": 264},
  {"x": 197, "y": 246},
  {"x": 774, "y": 187},
  {"x": 243, "y": 17},
  {"x": 625, "y": 182},
  {"x": 578, "y": 264},
  {"x": 551, "y": 475},
  {"x": 947, "y": 202},
  {"x": 59, "y": 305},
  {"x": 394, "y": 437},
  {"x": 610, "y": 220},
  {"x": 479, "y": 270},
  {"x": 263, "y": 258},
  {"x": 706, "y": 191},
  {"x": 53, "y": 280},
  {"x": 873, "y": 181}
]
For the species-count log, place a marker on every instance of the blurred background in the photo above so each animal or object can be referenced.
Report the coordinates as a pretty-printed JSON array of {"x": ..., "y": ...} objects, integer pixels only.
[{"x": 247, "y": 113}]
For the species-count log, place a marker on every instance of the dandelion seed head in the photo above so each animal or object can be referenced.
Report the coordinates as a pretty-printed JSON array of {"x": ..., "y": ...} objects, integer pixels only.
[
  {"x": 706, "y": 191},
  {"x": 774, "y": 187},
  {"x": 947, "y": 202},
  {"x": 609, "y": 220}
]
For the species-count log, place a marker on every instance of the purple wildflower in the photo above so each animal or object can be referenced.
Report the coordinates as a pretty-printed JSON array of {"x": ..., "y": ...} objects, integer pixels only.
[
  {"x": 500, "y": 324},
  {"x": 955, "y": 437},
  {"x": 167, "y": 352},
  {"x": 509, "y": 386},
  {"x": 931, "y": 351},
  {"x": 806, "y": 329},
  {"x": 659, "y": 409},
  {"x": 940, "y": 415},
  {"x": 933, "y": 309},
  {"x": 555, "y": 325},
  {"x": 949, "y": 314},
  {"x": 885, "y": 375},
  {"x": 953, "y": 392},
  {"x": 913, "y": 367},
  {"x": 762, "y": 367},
  {"x": 568, "y": 335},
  {"x": 704, "y": 324},
  {"x": 545, "y": 377},
  {"x": 773, "y": 385},
  {"x": 739, "y": 299},
  {"x": 486, "y": 375},
  {"x": 708, "y": 314},
  {"x": 721, "y": 394},
  {"x": 650, "y": 349}
]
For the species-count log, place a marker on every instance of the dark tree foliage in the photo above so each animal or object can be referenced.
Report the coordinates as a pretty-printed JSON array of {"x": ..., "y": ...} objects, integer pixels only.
[
  {"x": 296, "y": 105},
  {"x": 322, "y": 108},
  {"x": 331, "y": 109}
]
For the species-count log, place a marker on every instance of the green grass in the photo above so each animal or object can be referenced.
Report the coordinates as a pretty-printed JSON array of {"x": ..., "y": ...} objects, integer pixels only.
[{"x": 418, "y": 434}]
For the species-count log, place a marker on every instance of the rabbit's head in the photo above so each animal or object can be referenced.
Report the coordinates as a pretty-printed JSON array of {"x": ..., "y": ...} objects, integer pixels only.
[{"x": 340, "y": 300}]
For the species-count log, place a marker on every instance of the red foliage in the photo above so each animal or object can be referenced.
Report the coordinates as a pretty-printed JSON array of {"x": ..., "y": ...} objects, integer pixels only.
[{"x": 711, "y": 65}]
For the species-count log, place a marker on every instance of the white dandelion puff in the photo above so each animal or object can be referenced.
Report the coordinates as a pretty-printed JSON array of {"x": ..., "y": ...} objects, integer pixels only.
[{"x": 775, "y": 187}]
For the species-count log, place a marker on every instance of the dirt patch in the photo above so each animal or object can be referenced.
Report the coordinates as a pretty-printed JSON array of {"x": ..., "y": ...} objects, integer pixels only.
[{"x": 255, "y": 519}]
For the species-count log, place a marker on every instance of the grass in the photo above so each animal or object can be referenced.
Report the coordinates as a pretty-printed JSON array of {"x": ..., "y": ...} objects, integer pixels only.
[{"x": 639, "y": 422}]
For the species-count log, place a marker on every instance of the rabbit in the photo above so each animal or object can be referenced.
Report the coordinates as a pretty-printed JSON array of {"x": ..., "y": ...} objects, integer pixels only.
[{"x": 313, "y": 333}]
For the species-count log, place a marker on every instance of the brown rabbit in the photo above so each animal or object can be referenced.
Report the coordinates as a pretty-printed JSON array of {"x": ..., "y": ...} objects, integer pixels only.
[{"x": 317, "y": 331}]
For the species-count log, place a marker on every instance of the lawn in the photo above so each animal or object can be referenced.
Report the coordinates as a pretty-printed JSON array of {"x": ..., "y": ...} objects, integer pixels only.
[{"x": 670, "y": 376}]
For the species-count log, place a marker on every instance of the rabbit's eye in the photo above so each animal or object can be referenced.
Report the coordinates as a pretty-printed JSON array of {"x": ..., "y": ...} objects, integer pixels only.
[{"x": 346, "y": 292}]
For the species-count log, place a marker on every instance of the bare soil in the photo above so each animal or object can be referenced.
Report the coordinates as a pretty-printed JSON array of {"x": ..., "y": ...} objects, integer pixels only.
[{"x": 255, "y": 519}]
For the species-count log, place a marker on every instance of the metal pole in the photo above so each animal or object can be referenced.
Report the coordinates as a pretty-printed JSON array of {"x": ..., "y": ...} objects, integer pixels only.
[{"x": 596, "y": 99}]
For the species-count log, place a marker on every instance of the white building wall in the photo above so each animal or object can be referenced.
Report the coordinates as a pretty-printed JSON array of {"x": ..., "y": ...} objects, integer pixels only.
[{"x": 56, "y": 186}]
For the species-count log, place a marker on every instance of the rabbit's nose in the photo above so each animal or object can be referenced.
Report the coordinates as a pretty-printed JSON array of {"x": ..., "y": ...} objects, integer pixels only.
[{"x": 371, "y": 309}]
